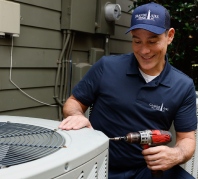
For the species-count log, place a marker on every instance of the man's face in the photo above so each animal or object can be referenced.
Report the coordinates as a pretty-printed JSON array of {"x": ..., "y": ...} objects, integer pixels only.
[{"x": 150, "y": 49}]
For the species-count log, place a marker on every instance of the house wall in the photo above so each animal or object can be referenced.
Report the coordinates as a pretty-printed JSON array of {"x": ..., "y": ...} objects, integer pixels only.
[{"x": 36, "y": 52}]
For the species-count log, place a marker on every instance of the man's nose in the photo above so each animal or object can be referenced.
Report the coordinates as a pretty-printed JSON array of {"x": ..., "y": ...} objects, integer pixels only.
[{"x": 145, "y": 49}]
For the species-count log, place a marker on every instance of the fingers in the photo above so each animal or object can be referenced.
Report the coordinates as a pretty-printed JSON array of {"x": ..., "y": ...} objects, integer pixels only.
[
  {"x": 62, "y": 124},
  {"x": 156, "y": 164},
  {"x": 153, "y": 162},
  {"x": 75, "y": 122},
  {"x": 156, "y": 158},
  {"x": 160, "y": 157}
]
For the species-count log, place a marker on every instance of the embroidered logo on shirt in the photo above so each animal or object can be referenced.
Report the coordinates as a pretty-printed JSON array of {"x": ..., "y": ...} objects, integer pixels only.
[
  {"x": 158, "y": 108},
  {"x": 147, "y": 16}
]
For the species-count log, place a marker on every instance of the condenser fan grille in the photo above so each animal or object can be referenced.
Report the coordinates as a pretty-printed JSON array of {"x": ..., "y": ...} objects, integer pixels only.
[{"x": 21, "y": 143}]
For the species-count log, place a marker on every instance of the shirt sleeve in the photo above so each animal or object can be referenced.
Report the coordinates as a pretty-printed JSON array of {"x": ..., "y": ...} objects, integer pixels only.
[
  {"x": 87, "y": 89},
  {"x": 186, "y": 119}
]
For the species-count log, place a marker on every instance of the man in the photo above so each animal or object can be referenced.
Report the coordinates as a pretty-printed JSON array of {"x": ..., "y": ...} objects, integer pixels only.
[{"x": 135, "y": 92}]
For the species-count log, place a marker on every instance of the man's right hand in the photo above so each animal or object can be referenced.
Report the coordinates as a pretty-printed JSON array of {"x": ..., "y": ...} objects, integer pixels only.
[{"x": 75, "y": 122}]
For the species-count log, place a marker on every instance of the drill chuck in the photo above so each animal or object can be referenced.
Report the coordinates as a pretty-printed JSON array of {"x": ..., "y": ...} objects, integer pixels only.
[{"x": 133, "y": 137}]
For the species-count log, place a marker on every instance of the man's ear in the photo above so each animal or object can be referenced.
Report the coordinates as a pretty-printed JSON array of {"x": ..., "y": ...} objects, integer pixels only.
[{"x": 170, "y": 34}]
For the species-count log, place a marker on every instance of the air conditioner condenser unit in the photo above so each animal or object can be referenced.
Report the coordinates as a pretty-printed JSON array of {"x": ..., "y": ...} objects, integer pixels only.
[{"x": 33, "y": 148}]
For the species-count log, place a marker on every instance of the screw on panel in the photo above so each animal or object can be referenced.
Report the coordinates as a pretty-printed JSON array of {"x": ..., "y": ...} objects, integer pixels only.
[
  {"x": 64, "y": 146},
  {"x": 66, "y": 166}
]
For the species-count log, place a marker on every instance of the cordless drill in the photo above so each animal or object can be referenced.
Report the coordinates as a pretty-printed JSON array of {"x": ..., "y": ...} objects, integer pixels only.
[{"x": 148, "y": 138}]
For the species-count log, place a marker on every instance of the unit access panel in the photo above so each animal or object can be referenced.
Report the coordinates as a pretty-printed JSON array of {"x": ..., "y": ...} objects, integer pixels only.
[{"x": 78, "y": 15}]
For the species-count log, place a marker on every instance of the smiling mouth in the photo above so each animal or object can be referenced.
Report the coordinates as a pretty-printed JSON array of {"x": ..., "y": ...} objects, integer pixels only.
[{"x": 147, "y": 58}]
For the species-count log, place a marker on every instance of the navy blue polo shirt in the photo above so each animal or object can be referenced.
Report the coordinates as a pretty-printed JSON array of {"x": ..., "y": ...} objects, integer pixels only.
[{"x": 124, "y": 102}]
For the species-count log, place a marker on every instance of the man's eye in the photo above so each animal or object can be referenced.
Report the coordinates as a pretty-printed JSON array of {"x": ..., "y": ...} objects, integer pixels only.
[
  {"x": 152, "y": 42},
  {"x": 137, "y": 42}
]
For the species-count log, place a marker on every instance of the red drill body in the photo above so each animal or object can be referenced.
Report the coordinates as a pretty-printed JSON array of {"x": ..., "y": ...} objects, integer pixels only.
[{"x": 148, "y": 138}]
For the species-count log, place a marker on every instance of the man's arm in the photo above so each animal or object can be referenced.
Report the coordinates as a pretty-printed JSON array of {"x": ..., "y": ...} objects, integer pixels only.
[
  {"x": 73, "y": 111},
  {"x": 164, "y": 157},
  {"x": 185, "y": 144}
]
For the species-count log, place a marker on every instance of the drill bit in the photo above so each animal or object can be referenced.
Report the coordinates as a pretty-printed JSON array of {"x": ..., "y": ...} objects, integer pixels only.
[{"x": 118, "y": 138}]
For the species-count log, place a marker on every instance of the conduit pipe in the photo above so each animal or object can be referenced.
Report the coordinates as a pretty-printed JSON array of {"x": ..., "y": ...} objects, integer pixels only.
[
  {"x": 56, "y": 96},
  {"x": 68, "y": 79},
  {"x": 64, "y": 71}
]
